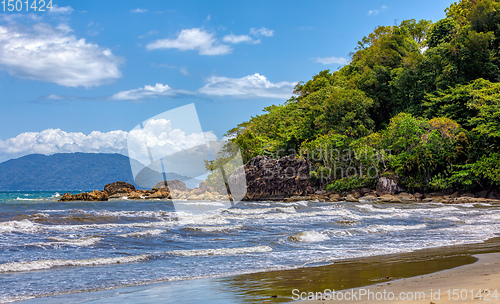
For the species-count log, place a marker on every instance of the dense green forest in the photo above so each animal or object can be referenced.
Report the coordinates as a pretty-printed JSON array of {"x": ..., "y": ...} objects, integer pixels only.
[{"x": 418, "y": 102}]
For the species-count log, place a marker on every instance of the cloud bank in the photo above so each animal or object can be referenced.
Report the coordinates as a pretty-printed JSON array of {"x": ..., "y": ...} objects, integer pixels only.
[
  {"x": 250, "y": 86},
  {"x": 51, "y": 54},
  {"x": 147, "y": 91},
  {"x": 157, "y": 133}
]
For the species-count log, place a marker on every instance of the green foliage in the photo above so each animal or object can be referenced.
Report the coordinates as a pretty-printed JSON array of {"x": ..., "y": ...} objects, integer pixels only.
[
  {"x": 422, "y": 148},
  {"x": 442, "y": 32},
  {"x": 350, "y": 183},
  {"x": 420, "y": 100},
  {"x": 486, "y": 101}
]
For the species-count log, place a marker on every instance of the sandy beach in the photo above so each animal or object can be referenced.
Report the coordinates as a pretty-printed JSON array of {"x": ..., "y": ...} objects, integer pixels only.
[{"x": 475, "y": 283}]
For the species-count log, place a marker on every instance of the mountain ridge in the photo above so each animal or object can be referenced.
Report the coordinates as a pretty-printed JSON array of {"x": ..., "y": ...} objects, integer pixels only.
[{"x": 66, "y": 171}]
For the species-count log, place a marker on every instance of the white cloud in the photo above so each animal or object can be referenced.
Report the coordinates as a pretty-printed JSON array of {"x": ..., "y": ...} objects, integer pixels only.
[
  {"x": 51, "y": 54},
  {"x": 250, "y": 86},
  {"x": 261, "y": 32},
  {"x": 157, "y": 133},
  {"x": 375, "y": 12},
  {"x": 139, "y": 10},
  {"x": 150, "y": 33},
  {"x": 184, "y": 71},
  {"x": 332, "y": 60},
  {"x": 64, "y": 10},
  {"x": 234, "y": 39},
  {"x": 193, "y": 39},
  {"x": 147, "y": 91},
  {"x": 52, "y": 141},
  {"x": 161, "y": 138}
]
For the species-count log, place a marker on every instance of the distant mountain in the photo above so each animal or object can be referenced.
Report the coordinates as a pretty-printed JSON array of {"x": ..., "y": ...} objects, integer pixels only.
[{"x": 67, "y": 171}]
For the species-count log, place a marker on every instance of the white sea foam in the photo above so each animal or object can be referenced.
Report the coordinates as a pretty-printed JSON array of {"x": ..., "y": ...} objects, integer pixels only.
[
  {"x": 220, "y": 251},
  {"x": 10, "y": 299},
  {"x": 78, "y": 242},
  {"x": 47, "y": 264},
  {"x": 132, "y": 214},
  {"x": 389, "y": 228},
  {"x": 374, "y": 229},
  {"x": 215, "y": 229},
  {"x": 238, "y": 211},
  {"x": 308, "y": 237},
  {"x": 152, "y": 232},
  {"x": 25, "y": 226}
]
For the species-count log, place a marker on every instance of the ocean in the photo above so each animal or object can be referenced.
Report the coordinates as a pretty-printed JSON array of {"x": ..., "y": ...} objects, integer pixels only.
[{"x": 50, "y": 248}]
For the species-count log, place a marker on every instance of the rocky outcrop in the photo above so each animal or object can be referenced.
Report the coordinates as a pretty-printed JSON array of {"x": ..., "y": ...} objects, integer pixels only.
[
  {"x": 171, "y": 185},
  {"x": 386, "y": 185},
  {"x": 118, "y": 187},
  {"x": 95, "y": 195},
  {"x": 269, "y": 179}
]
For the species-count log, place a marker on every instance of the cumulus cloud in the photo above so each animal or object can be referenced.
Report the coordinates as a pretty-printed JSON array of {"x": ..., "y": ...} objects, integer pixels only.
[
  {"x": 250, "y": 86},
  {"x": 194, "y": 39},
  {"x": 52, "y": 141},
  {"x": 64, "y": 10},
  {"x": 161, "y": 138},
  {"x": 147, "y": 91},
  {"x": 139, "y": 10},
  {"x": 375, "y": 12},
  {"x": 235, "y": 39},
  {"x": 46, "y": 53},
  {"x": 261, "y": 32},
  {"x": 332, "y": 60},
  {"x": 157, "y": 133}
]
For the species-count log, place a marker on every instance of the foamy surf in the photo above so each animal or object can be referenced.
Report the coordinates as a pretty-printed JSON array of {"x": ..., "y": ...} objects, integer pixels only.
[
  {"x": 151, "y": 232},
  {"x": 18, "y": 226},
  {"x": 220, "y": 251},
  {"x": 47, "y": 264},
  {"x": 78, "y": 242},
  {"x": 214, "y": 229},
  {"x": 308, "y": 237},
  {"x": 249, "y": 237}
]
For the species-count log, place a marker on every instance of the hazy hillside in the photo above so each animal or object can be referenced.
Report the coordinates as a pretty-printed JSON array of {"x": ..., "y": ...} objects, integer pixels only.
[{"x": 68, "y": 171}]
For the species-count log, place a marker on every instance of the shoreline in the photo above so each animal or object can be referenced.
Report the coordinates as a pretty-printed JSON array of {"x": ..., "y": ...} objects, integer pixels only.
[
  {"x": 276, "y": 286},
  {"x": 473, "y": 283}
]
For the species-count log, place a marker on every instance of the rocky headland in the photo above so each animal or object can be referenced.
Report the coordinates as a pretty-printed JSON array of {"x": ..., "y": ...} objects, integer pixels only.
[{"x": 285, "y": 179}]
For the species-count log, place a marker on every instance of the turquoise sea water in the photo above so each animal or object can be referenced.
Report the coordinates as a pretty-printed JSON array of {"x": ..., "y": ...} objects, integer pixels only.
[{"x": 49, "y": 247}]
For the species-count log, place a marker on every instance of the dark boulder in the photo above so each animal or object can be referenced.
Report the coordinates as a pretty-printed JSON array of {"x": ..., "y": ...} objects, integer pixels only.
[
  {"x": 118, "y": 187},
  {"x": 269, "y": 178},
  {"x": 387, "y": 185}
]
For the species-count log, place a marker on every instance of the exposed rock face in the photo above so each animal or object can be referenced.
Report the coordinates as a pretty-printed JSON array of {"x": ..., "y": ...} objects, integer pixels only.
[
  {"x": 387, "y": 185},
  {"x": 95, "y": 195},
  {"x": 171, "y": 185},
  {"x": 160, "y": 194},
  {"x": 269, "y": 178},
  {"x": 118, "y": 187}
]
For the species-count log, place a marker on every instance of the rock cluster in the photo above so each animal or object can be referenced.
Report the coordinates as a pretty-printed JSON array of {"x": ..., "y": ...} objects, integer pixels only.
[
  {"x": 95, "y": 195},
  {"x": 118, "y": 187},
  {"x": 174, "y": 189},
  {"x": 271, "y": 179},
  {"x": 403, "y": 197}
]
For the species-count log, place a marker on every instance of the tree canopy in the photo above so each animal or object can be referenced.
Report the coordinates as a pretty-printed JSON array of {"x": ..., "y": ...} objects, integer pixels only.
[{"x": 419, "y": 100}]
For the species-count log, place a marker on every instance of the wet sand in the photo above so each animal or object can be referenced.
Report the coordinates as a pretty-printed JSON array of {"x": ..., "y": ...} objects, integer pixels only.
[{"x": 474, "y": 283}]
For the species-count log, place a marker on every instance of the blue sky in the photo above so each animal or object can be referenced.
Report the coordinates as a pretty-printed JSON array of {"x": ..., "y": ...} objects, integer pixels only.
[{"x": 105, "y": 66}]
